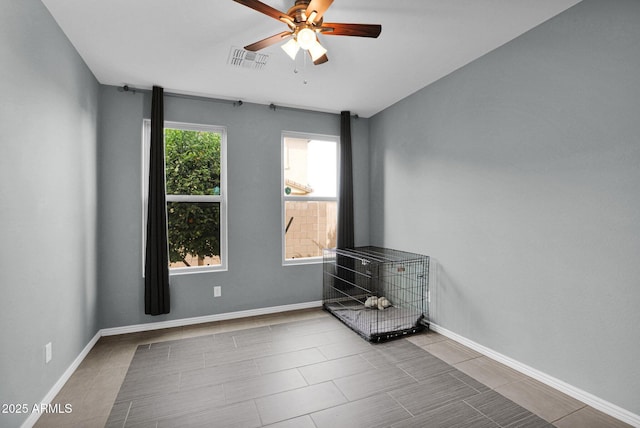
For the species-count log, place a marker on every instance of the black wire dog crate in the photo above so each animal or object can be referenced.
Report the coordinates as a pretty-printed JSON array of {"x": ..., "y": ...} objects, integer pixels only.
[{"x": 379, "y": 293}]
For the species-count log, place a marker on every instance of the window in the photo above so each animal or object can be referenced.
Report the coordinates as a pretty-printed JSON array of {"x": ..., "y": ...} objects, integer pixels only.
[
  {"x": 309, "y": 196},
  {"x": 195, "y": 172}
]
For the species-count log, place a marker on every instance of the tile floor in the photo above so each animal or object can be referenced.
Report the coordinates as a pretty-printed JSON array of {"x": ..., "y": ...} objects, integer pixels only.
[{"x": 304, "y": 369}]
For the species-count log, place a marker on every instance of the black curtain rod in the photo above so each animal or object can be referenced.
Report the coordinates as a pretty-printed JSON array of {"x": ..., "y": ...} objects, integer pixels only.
[
  {"x": 127, "y": 88},
  {"x": 272, "y": 106}
]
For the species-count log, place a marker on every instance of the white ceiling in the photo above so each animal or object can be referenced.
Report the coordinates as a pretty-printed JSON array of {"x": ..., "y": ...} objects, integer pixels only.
[{"x": 184, "y": 47}]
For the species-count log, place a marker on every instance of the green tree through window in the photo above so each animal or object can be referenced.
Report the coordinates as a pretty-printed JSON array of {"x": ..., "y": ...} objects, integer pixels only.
[{"x": 192, "y": 171}]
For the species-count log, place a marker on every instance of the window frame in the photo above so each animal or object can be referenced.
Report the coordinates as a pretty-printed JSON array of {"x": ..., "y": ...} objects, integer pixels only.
[
  {"x": 221, "y": 198},
  {"x": 286, "y": 198}
]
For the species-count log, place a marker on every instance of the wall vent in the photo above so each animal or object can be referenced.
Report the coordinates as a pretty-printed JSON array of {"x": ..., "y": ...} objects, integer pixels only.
[{"x": 247, "y": 59}]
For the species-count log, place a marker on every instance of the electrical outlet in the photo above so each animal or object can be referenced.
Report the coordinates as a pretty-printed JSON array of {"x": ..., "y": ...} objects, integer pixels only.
[
  {"x": 217, "y": 291},
  {"x": 47, "y": 353}
]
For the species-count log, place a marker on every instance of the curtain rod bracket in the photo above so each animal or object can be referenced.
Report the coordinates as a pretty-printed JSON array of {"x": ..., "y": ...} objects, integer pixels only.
[{"x": 127, "y": 88}]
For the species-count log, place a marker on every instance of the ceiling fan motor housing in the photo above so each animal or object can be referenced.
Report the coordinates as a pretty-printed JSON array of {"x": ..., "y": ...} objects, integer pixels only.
[
  {"x": 297, "y": 12},
  {"x": 305, "y": 20}
]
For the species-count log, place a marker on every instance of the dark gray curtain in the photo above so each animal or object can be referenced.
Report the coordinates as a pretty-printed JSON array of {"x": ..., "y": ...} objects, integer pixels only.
[
  {"x": 345, "y": 201},
  {"x": 156, "y": 279}
]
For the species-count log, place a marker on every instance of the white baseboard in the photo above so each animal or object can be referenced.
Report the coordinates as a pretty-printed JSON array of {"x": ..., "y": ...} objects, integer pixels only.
[
  {"x": 34, "y": 416},
  {"x": 577, "y": 393},
  {"x": 208, "y": 318},
  {"x": 587, "y": 398}
]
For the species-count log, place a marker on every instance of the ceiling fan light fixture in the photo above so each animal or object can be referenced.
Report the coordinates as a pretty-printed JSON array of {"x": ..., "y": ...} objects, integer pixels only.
[
  {"x": 306, "y": 37},
  {"x": 316, "y": 50},
  {"x": 291, "y": 48},
  {"x": 305, "y": 20}
]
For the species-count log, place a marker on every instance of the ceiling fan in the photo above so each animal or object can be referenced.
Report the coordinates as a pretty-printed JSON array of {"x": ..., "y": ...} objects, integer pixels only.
[{"x": 305, "y": 23}]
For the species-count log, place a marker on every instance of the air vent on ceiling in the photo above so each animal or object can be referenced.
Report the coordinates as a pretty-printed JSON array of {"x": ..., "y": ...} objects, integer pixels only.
[{"x": 247, "y": 59}]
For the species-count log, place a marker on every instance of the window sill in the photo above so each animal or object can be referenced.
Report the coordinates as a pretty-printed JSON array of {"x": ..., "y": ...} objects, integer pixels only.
[
  {"x": 196, "y": 270},
  {"x": 302, "y": 261}
]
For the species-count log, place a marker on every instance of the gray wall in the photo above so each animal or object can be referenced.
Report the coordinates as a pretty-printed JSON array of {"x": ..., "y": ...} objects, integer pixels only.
[
  {"x": 48, "y": 118},
  {"x": 256, "y": 277},
  {"x": 519, "y": 174}
]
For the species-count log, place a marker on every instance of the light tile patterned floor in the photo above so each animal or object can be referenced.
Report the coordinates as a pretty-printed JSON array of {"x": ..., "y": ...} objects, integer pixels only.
[{"x": 303, "y": 369}]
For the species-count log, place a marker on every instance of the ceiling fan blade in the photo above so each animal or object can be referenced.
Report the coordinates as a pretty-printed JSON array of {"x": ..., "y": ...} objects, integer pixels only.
[
  {"x": 268, "y": 41},
  {"x": 360, "y": 30},
  {"x": 263, "y": 8},
  {"x": 321, "y": 60},
  {"x": 319, "y": 7}
]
